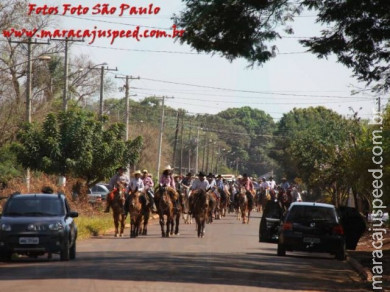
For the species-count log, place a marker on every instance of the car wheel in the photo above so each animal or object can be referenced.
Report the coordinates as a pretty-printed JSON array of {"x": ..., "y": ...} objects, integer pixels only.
[
  {"x": 5, "y": 256},
  {"x": 340, "y": 254},
  {"x": 65, "y": 252},
  {"x": 72, "y": 252},
  {"x": 281, "y": 250}
]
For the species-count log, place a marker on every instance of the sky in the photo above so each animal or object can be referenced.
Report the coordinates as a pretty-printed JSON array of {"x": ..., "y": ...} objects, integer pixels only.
[{"x": 202, "y": 83}]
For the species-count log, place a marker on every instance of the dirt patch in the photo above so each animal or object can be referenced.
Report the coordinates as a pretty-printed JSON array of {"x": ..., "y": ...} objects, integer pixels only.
[{"x": 363, "y": 254}]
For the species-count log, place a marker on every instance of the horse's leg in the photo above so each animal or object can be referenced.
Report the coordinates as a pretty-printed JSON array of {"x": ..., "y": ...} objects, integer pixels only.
[
  {"x": 123, "y": 221},
  {"x": 198, "y": 225},
  {"x": 116, "y": 222},
  {"x": 146, "y": 221},
  {"x": 162, "y": 225},
  {"x": 131, "y": 228},
  {"x": 249, "y": 214},
  {"x": 243, "y": 215},
  {"x": 169, "y": 218},
  {"x": 202, "y": 224},
  {"x": 177, "y": 224}
]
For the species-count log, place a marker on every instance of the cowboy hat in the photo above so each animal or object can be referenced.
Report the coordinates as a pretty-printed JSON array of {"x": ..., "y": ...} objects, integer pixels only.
[
  {"x": 201, "y": 173},
  {"x": 189, "y": 174},
  {"x": 137, "y": 172},
  {"x": 168, "y": 167},
  {"x": 145, "y": 171}
]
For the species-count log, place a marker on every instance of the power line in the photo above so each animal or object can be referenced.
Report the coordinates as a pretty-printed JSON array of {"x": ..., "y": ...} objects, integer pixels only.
[
  {"x": 246, "y": 91},
  {"x": 224, "y": 96}
]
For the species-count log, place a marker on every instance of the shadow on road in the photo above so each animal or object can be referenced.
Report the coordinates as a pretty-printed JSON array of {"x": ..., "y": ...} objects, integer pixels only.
[{"x": 252, "y": 269}]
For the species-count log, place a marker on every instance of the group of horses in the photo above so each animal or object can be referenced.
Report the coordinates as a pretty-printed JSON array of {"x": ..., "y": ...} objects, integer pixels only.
[{"x": 171, "y": 205}]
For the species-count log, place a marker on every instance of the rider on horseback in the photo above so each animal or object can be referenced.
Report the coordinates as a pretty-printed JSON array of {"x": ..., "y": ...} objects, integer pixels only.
[
  {"x": 246, "y": 182},
  {"x": 148, "y": 184},
  {"x": 285, "y": 185},
  {"x": 213, "y": 184},
  {"x": 120, "y": 178},
  {"x": 167, "y": 180},
  {"x": 199, "y": 184}
]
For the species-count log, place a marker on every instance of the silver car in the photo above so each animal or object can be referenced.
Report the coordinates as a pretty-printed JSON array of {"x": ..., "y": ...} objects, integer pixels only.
[{"x": 97, "y": 193}]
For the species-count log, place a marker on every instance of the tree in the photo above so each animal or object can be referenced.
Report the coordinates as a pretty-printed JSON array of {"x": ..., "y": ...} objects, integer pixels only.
[
  {"x": 259, "y": 127},
  {"x": 75, "y": 144},
  {"x": 357, "y": 31},
  {"x": 311, "y": 144},
  {"x": 235, "y": 28}
]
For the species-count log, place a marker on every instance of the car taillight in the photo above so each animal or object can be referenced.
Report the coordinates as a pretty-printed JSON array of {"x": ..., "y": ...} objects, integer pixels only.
[
  {"x": 338, "y": 229},
  {"x": 287, "y": 226}
]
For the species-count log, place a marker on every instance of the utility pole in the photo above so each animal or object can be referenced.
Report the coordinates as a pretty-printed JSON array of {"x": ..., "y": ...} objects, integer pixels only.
[
  {"x": 102, "y": 69},
  {"x": 29, "y": 90},
  {"x": 208, "y": 154},
  {"x": 66, "y": 71},
  {"x": 176, "y": 134},
  {"x": 189, "y": 147},
  {"x": 197, "y": 153},
  {"x": 127, "y": 109},
  {"x": 204, "y": 151},
  {"x": 127, "y": 103},
  {"x": 181, "y": 142},
  {"x": 160, "y": 136}
]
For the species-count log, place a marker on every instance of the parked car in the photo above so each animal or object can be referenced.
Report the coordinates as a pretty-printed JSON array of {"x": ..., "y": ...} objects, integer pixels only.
[
  {"x": 35, "y": 224},
  {"x": 312, "y": 227},
  {"x": 97, "y": 193},
  {"x": 270, "y": 222}
]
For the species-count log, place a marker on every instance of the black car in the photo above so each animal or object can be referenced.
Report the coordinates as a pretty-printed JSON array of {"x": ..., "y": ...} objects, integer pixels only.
[
  {"x": 312, "y": 227},
  {"x": 35, "y": 224}
]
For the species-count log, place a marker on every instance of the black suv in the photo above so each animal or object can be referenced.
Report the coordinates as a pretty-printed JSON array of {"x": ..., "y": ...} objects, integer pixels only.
[
  {"x": 35, "y": 224},
  {"x": 312, "y": 227}
]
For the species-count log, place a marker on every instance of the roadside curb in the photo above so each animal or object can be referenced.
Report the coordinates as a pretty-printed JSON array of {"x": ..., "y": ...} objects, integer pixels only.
[{"x": 363, "y": 272}]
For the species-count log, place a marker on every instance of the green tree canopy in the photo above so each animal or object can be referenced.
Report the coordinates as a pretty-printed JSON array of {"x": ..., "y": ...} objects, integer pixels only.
[
  {"x": 234, "y": 28},
  {"x": 75, "y": 144},
  {"x": 310, "y": 144}
]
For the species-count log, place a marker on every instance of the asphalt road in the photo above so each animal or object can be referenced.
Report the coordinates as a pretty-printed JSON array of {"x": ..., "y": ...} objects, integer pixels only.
[{"x": 228, "y": 258}]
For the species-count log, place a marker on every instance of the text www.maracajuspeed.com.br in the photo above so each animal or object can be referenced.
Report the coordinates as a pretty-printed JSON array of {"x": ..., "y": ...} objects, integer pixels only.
[{"x": 94, "y": 33}]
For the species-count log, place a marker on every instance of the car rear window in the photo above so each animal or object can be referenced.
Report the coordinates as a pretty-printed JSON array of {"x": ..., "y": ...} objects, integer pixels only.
[
  {"x": 34, "y": 206},
  {"x": 303, "y": 214}
]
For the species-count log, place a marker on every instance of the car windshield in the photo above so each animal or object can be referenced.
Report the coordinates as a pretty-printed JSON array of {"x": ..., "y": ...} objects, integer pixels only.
[
  {"x": 303, "y": 214},
  {"x": 99, "y": 189},
  {"x": 34, "y": 206}
]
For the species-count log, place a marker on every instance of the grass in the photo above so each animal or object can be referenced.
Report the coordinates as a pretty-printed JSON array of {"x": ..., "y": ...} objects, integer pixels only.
[{"x": 93, "y": 225}]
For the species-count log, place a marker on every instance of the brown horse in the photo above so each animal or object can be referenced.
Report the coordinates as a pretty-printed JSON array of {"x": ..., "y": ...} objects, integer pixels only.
[
  {"x": 200, "y": 207},
  {"x": 214, "y": 206},
  {"x": 165, "y": 207},
  {"x": 139, "y": 212},
  {"x": 185, "y": 199},
  {"x": 117, "y": 197},
  {"x": 225, "y": 198},
  {"x": 245, "y": 204}
]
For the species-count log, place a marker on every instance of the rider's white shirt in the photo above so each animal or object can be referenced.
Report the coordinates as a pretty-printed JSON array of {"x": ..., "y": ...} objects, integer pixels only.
[
  {"x": 136, "y": 183},
  {"x": 271, "y": 184},
  {"x": 264, "y": 185},
  {"x": 200, "y": 185}
]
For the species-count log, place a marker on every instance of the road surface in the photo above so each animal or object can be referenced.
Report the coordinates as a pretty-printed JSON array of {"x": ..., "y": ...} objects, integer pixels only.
[{"x": 229, "y": 258}]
